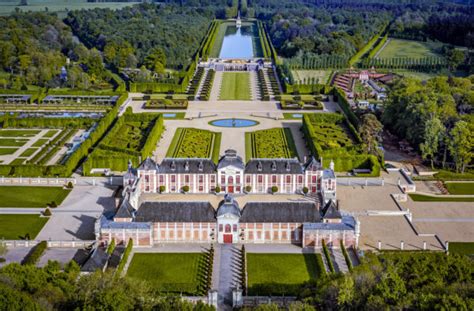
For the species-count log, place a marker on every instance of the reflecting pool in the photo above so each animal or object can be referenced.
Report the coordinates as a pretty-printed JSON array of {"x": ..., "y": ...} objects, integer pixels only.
[
  {"x": 238, "y": 42},
  {"x": 233, "y": 123}
]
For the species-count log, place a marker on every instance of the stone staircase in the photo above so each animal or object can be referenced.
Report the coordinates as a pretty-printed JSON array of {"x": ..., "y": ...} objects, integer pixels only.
[{"x": 338, "y": 260}]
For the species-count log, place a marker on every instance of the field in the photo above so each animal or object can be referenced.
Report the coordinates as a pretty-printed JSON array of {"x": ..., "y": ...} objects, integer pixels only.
[
  {"x": 195, "y": 143},
  {"x": 320, "y": 76},
  {"x": 8, "y": 6},
  {"x": 398, "y": 48},
  {"x": 271, "y": 143},
  {"x": 460, "y": 188},
  {"x": 168, "y": 272},
  {"x": 235, "y": 86},
  {"x": 15, "y": 227},
  {"x": 438, "y": 198},
  {"x": 30, "y": 196},
  {"x": 281, "y": 274}
]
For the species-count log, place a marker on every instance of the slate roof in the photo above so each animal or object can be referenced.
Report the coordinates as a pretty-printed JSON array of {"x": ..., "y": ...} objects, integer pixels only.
[
  {"x": 125, "y": 210},
  {"x": 311, "y": 162},
  {"x": 231, "y": 158},
  {"x": 329, "y": 174},
  {"x": 228, "y": 206},
  {"x": 273, "y": 166},
  {"x": 298, "y": 212},
  {"x": 187, "y": 166},
  {"x": 148, "y": 165},
  {"x": 96, "y": 261},
  {"x": 179, "y": 211},
  {"x": 331, "y": 211}
]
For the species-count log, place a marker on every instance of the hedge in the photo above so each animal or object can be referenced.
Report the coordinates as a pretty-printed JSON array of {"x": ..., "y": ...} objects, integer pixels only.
[
  {"x": 354, "y": 59},
  {"x": 306, "y": 88},
  {"x": 124, "y": 259},
  {"x": 111, "y": 247},
  {"x": 328, "y": 258},
  {"x": 341, "y": 99},
  {"x": 346, "y": 256},
  {"x": 379, "y": 45},
  {"x": 35, "y": 254}
]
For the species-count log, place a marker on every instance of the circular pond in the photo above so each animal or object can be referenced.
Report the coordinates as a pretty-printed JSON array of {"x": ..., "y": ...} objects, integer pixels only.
[{"x": 233, "y": 123}]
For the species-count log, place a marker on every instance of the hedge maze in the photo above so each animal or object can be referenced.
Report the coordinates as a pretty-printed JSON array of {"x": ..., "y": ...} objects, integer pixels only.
[
  {"x": 195, "y": 143},
  {"x": 271, "y": 143},
  {"x": 133, "y": 137}
]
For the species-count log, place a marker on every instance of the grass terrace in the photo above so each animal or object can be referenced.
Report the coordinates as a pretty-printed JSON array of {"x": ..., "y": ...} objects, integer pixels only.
[
  {"x": 18, "y": 133},
  {"x": 235, "y": 86},
  {"x": 195, "y": 143},
  {"x": 400, "y": 48},
  {"x": 12, "y": 142},
  {"x": 271, "y": 143},
  {"x": 31, "y": 196},
  {"x": 460, "y": 188},
  {"x": 438, "y": 198},
  {"x": 15, "y": 227},
  {"x": 319, "y": 76},
  {"x": 178, "y": 273},
  {"x": 281, "y": 274},
  {"x": 7, "y": 151}
]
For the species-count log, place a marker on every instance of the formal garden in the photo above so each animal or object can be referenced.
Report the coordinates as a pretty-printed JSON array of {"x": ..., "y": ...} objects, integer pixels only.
[
  {"x": 20, "y": 227},
  {"x": 331, "y": 137},
  {"x": 195, "y": 143},
  {"x": 281, "y": 274},
  {"x": 235, "y": 86},
  {"x": 271, "y": 143},
  {"x": 174, "y": 273},
  {"x": 133, "y": 137}
]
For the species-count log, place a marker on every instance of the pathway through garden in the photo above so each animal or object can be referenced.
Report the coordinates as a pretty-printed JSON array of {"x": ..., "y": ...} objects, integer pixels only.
[{"x": 228, "y": 274}]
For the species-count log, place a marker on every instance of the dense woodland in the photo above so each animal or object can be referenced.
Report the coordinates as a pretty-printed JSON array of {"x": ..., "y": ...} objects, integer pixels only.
[{"x": 398, "y": 280}]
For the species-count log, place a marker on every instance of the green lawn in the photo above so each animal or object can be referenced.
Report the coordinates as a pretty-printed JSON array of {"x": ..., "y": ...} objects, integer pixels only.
[
  {"x": 460, "y": 188},
  {"x": 12, "y": 142},
  {"x": 6, "y": 151},
  {"x": 465, "y": 248},
  {"x": 399, "y": 48},
  {"x": 17, "y": 161},
  {"x": 28, "y": 152},
  {"x": 40, "y": 142},
  {"x": 271, "y": 143},
  {"x": 195, "y": 143},
  {"x": 18, "y": 133},
  {"x": 281, "y": 274},
  {"x": 292, "y": 116},
  {"x": 15, "y": 227},
  {"x": 169, "y": 272},
  {"x": 319, "y": 76},
  {"x": 439, "y": 198},
  {"x": 235, "y": 86},
  {"x": 31, "y": 196},
  {"x": 50, "y": 133}
]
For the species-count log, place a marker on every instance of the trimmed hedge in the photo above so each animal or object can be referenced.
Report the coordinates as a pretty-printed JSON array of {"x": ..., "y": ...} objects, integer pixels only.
[
  {"x": 124, "y": 259},
  {"x": 346, "y": 256},
  {"x": 354, "y": 59},
  {"x": 328, "y": 258},
  {"x": 35, "y": 254},
  {"x": 111, "y": 247}
]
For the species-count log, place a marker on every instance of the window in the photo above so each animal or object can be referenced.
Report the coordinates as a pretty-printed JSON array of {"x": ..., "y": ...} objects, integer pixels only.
[
  {"x": 288, "y": 179},
  {"x": 274, "y": 179},
  {"x": 201, "y": 188},
  {"x": 201, "y": 178},
  {"x": 173, "y": 178},
  {"x": 147, "y": 178},
  {"x": 227, "y": 228},
  {"x": 260, "y": 178},
  {"x": 162, "y": 179},
  {"x": 300, "y": 179},
  {"x": 313, "y": 179},
  {"x": 237, "y": 179},
  {"x": 213, "y": 179},
  {"x": 223, "y": 180},
  {"x": 186, "y": 178},
  {"x": 248, "y": 179}
]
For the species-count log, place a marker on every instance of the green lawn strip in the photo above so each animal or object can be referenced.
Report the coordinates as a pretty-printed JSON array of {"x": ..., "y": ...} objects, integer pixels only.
[
  {"x": 194, "y": 143},
  {"x": 30, "y": 196},
  {"x": 248, "y": 146},
  {"x": 14, "y": 227},
  {"x": 460, "y": 188},
  {"x": 50, "y": 133},
  {"x": 291, "y": 116},
  {"x": 6, "y": 151},
  {"x": 216, "y": 147},
  {"x": 281, "y": 274},
  {"x": 28, "y": 152},
  {"x": 235, "y": 86},
  {"x": 439, "y": 198},
  {"x": 465, "y": 248},
  {"x": 12, "y": 142},
  {"x": 18, "y": 133},
  {"x": 40, "y": 142},
  {"x": 17, "y": 161},
  {"x": 168, "y": 272}
]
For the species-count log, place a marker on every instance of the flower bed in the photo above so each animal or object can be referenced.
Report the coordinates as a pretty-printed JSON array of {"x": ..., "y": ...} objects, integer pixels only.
[
  {"x": 195, "y": 143},
  {"x": 271, "y": 143}
]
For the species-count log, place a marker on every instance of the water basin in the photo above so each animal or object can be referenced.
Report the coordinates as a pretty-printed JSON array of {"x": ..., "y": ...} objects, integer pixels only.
[
  {"x": 238, "y": 42},
  {"x": 169, "y": 115},
  {"x": 233, "y": 123},
  {"x": 297, "y": 115}
]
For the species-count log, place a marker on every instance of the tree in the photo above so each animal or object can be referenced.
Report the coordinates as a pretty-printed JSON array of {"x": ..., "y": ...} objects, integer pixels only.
[
  {"x": 461, "y": 145},
  {"x": 434, "y": 130},
  {"x": 370, "y": 131},
  {"x": 455, "y": 58},
  {"x": 156, "y": 60}
]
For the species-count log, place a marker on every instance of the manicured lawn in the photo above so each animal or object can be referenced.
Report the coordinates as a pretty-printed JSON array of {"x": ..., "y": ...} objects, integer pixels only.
[
  {"x": 235, "y": 86},
  {"x": 195, "y": 143},
  {"x": 398, "y": 48},
  {"x": 271, "y": 143},
  {"x": 18, "y": 133},
  {"x": 168, "y": 272},
  {"x": 30, "y": 196},
  {"x": 14, "y": 227},
  {"x": 292, "y": 116},
  {"x": 281, "y": 274},
  {"x": 28, "y": 152},
  {"x": 460, "y": 188},
  {"x": 439, "y": 198},
  {"x": 6, "y": 151},
  {"x": 17, "y": 161},
  {"x": 50, "y": 133},
  {"x": 320, "y": 76},
  {"x": 12, "y": 142},
  {"x": 40, "y": 142},
  {"x": 465, "y": 248}
]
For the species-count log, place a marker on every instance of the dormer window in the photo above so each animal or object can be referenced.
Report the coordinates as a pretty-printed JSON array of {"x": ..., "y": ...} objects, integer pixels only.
[
  {"x": 201, "y": 166},
  {"x": 186, "y": 166},
  {"x": 288, "y": 166},
  {"x": 274, "y": 166},
  {"x": 173, "y": 166},
  {"x": 259, "y": 166}
]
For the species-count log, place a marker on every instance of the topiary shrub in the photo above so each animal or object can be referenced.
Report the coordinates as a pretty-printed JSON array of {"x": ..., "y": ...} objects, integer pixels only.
[
  {"x": 53, "y": 204},
  {"x": 218, "y": 189},
  {"x": 305, "y": 190},
  {"x": 70, "y": 185},
  {"x": 185, "y": 189},
  {"x": 248, "y": 188},
  {"x": 35, "y": 254},
  {"x": 47, "y": 212},
  {"x": 274, "y": 189},
  {"x": 162, "y": 189}
]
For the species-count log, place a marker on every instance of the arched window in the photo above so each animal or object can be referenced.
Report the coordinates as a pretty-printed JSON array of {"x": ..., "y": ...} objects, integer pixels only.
[{"x": 227, "y": 228}]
